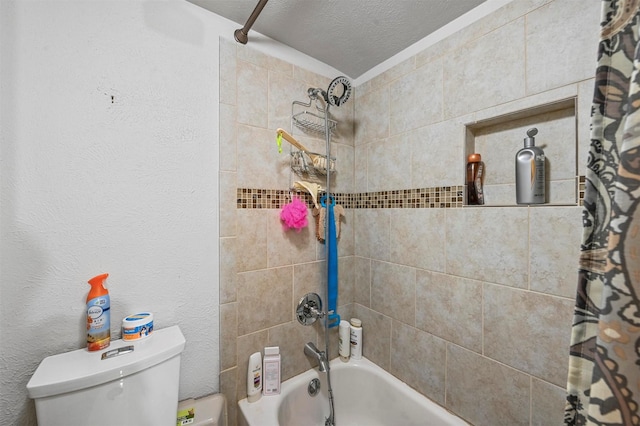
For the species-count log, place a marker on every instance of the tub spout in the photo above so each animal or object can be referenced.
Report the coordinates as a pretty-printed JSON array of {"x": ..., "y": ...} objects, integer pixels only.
[{"x": 311, "y": 350}]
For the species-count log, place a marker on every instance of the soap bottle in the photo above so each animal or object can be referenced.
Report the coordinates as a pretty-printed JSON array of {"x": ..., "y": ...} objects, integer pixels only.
[
  {"x": 475, "y": 180},
  {"x": 254, "y": 377},
  {"x": 271, "y": 370},
  {"x": 344, "y": 342},
  {"x": 530, "y": 172},
  {"x": 356, "y": 338},
  {"x": 98, "y": 314}
]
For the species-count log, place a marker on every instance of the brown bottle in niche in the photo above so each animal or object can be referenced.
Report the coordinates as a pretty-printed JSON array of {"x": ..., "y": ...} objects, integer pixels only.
[{"x": 475, "y": 179}]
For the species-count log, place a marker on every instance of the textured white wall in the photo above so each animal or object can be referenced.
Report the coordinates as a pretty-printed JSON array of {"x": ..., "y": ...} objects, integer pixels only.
[{"x": 109, "y": 163}]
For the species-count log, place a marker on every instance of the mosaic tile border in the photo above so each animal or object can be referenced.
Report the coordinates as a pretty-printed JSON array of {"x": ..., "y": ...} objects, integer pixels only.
[
  {"x": 440, "y": 197},
  {"x": 419, "y": 198}
]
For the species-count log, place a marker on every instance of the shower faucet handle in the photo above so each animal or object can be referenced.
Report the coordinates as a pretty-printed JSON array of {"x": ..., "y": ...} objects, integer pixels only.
[{"x": 309, "y": 309}]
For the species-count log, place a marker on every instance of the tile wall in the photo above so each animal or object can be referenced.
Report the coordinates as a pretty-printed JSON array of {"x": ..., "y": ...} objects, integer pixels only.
[{"x": 472, "y": 306}]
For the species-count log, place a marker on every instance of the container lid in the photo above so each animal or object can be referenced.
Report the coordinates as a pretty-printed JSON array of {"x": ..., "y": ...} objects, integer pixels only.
[
  {"x": 271, "y": 350},
  {"x": 356, "y": 322},
  {"x": 80, "y": 369},
  {"x": 474, "y": 158},
  {"x": 136, "y": 320}
]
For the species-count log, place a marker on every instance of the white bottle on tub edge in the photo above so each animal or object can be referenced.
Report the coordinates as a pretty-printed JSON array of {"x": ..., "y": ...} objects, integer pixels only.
[
  {"x": 254, "y": 377},
  {"x": 271, "y": 371},
  {"x": 356, "y": 338}
]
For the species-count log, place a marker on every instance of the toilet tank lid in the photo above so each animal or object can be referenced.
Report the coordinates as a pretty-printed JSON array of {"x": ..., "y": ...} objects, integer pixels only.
[{"x": 80, "y": 369}]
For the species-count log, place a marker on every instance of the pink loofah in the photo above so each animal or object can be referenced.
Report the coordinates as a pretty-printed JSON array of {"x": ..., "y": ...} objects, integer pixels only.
[{"x": 294, "y": 214}]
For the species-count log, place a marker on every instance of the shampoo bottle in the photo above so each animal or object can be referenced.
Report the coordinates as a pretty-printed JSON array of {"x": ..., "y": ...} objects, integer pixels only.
[
  {"x": 530, "y": 173},
  {"x": 271, "y": 370},
  {"x": 98, "y": 314},
  {"x": 475, "y": 180},
  {"x": 254, "y": 377},
  {"x": 356, "y": 338},
  {"x": 344, "y": 343}
]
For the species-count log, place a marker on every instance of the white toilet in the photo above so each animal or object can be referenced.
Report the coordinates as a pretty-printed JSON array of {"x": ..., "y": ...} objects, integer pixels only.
[{"x": 126, "y": 388}]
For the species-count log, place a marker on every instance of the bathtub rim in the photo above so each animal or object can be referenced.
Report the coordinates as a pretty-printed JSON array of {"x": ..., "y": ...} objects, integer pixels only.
[{"x": 264, "y": 412}]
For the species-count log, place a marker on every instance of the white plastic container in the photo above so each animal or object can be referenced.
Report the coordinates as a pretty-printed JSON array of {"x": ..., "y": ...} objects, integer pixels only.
[
  {"x": 271, "y": 371},
  {"x": 356, "y": 338},
  {"x": 137, "y": 326},
  {"x": 254, "y": 377},
  {"x": 344, "y": 344}
]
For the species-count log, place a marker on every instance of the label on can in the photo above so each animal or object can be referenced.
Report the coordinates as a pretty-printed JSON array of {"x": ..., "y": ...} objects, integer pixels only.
[
  {"x": 98, "y": 323},
  {"x": 137, "y": 326}
]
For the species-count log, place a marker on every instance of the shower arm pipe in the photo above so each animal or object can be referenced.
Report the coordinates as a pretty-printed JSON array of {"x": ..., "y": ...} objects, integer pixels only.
[{"x": 242, "y": 34}]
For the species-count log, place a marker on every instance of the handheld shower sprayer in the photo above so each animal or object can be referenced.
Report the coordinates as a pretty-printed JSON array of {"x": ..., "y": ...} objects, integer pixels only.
[{"x": 337, "y": 94}]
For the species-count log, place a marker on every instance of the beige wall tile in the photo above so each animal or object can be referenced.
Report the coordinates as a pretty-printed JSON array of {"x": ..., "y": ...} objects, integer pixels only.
[
  {"x": 228, "y": 209},
  {"x": 416, "y": 99},
  {"x": 228, "y": 70},
  {"x": 360, "y": 173},
  {"x": 418, "y": 238},
  {"x": 547, "y": 403},
  {"x": 346, "y": 278},
  {"x": 291, "y": 338},
  {"x": 251, "y": 244},
  {"x": 502, "y": 16},
  {"x": 252, "y": 94},
  {"x": 389, "y": 163},
  {"x": 562, "y": 39},
  {"x": 450, "y": 307},
  {"x": 287, "y": 246},
  {"x": 344, "y": 115},
  {"x": 343, "y": 179},
  {"x": 227, "y": 137},
  {"x": 489, "y": 244},
  {"x": 282, "y": 91},
  {"x": 372, "y": 233},
  {"x": 393, "y": 291},
  {"x": 499, "y": 56},
  {"x": 249, "y": 54},
  {"x": 419, "y": 359},
  {"x": 228, "y": 335},
  {"x": 372, "y": 116},
  {"x": 397, "y": 71},
  {"x": 437, "y": 153},
  {"x": 228, "y": 387},
  {"x": 362, "y": 285},
  {"x": 376, "y": 335},
  {"x": 259, "y": 163},
  {"x": 309, "y": 278},
  {"x": 228, "y": 277},
  {"x": 519, "y": 324},
  {"x": 346, "y": 242},
  {"x": 555, "y": 234},
  {"x": 485, "y": 392},
  {"x": 265, "y": 297}
]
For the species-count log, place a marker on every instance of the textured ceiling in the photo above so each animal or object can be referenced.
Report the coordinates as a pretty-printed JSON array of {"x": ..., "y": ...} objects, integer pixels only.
[{"x": 352, "y": 36}]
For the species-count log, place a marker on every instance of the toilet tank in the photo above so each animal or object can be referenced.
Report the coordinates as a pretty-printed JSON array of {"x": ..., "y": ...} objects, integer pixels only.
[{"x": 127, "y": 384}]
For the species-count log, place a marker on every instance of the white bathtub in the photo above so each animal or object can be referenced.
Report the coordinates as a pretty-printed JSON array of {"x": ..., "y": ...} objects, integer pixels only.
[{"x": 364, "y": 395}]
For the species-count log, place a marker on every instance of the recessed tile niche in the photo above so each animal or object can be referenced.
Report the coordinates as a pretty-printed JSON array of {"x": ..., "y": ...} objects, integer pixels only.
[{"x": 498, "y": 139}]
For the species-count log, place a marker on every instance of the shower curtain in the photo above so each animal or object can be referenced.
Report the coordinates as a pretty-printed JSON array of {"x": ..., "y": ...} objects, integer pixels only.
[{"x": 603, "y": 386}]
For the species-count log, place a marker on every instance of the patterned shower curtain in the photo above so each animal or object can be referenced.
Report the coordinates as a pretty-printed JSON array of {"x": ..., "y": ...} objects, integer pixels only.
[{"x": 603, "y": 386}]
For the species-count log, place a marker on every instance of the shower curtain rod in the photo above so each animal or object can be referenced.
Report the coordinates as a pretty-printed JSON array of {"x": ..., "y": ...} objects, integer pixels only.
[{"x": 241, "y": 34}]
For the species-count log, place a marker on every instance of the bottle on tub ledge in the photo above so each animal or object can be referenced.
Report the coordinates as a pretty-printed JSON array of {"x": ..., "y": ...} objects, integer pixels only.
[
  {"x": 254, "y": 377},
  {"x": 356, "y": 338},
  {"x": 344, "y": 342},
  {"x": 271, "y": 371},
  {"x": 530, "y": 171}
]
